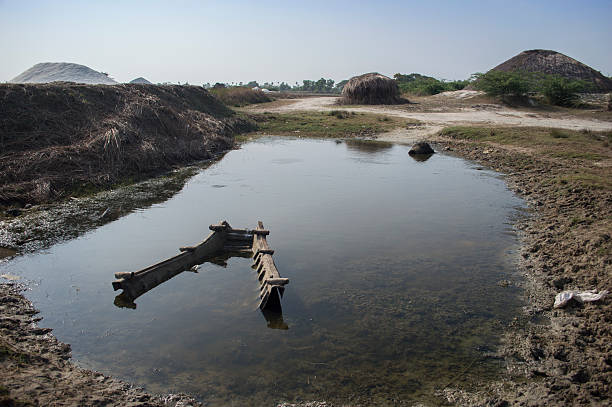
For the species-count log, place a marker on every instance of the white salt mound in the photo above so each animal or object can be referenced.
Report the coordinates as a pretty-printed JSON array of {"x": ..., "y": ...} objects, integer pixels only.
[
  {"x": 62, "y": 71},
  {"x": 141, "y": 81}
]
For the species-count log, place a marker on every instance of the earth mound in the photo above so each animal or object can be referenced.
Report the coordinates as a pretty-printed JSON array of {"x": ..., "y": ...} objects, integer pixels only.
[
  {"x": 62, "y": 72},
  {"x": 555, "y": 63},
  {"x": 141, "y": 81},
  {"x": 371, "y": 89},
  {"x": 59, "y": 138}
]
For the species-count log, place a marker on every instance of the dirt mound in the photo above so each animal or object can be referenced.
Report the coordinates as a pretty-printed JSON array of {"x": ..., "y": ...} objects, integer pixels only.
[
  {"x": 371, "y": 89},
  {"x": 63, "y": 72},
  {"x": 555, "y": 63},
  {"x": 141, "y": 81},
  {"x": 61, "y": 137}
]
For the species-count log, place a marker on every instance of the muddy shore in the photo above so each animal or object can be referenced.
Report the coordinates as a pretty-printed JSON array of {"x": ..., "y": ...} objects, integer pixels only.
[{"x": 553, "y": 357}]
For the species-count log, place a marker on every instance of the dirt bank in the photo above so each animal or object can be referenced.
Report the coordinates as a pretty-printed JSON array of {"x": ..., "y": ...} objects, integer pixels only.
[
  {"x": 60, "y": 139},
  {"x": 555, "y": 357},
  {"x": 36, "y": 368}
]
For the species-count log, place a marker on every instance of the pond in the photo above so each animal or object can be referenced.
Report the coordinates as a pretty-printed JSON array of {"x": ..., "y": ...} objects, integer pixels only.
[{"x": 397, "y": 272}]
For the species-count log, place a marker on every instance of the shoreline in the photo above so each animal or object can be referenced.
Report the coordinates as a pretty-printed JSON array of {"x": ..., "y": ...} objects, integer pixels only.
[{"x": 553, "y": 357}]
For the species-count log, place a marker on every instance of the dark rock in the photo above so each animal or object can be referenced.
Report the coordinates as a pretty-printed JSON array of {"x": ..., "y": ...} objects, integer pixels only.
[
  {"x": 13, "y": 212},
  {"x": 560, "y": 283},
  {"x": 421, "y": 148},
  {"x": 537, "y": 353},
  {"x": 581, "y": 376}
]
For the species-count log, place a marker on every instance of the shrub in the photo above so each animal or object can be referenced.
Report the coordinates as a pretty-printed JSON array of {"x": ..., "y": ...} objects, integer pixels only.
[
  {"x": 561, "y": 91},
  {"x": 499, "y": 83},
  {"x": 556, "y": 133},
  {"x": 340, "y": 114},
  {"x": 422, "y": 85}
]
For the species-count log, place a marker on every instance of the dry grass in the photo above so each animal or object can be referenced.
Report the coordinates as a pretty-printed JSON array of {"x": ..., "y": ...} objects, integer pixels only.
[
  {"x": 55, "y": 138},
  {"x": 333, "y": 124},
  {"x": 240, "y": 96},
  {"x": 371, "y": 89}
]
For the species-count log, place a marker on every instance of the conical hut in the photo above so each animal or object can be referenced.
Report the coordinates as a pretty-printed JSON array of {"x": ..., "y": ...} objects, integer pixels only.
[{"x": 371, "y": 89}]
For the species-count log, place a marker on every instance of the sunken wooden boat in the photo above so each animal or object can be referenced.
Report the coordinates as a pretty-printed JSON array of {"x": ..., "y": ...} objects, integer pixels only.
[{"x": 223, "y": 241}]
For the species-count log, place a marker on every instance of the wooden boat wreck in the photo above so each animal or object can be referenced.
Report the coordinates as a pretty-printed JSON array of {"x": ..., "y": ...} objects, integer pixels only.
[{"x": 223, "y": 242}]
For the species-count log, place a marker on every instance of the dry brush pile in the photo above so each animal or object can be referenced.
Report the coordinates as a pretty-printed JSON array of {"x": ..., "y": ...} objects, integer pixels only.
[
  {"x": 371, "y": 89},
  {"x": 60, "y": 137}
]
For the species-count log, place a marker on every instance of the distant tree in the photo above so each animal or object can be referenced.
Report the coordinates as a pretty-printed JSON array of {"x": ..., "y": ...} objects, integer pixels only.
[
  {"x": 252, "y": 84},
  {"x": 308, "y": 85},
  {"x": 219, "y": 85},
  {"x": 320, "y": 85},
  {"x": 340, "y": 85},
  {"x": 418, "y": 84},
  {"x": 283, "y": 86}
]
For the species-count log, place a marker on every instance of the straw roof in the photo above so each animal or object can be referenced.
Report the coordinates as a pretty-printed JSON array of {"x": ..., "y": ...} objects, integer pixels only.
[{"x": 371, "y": 89}]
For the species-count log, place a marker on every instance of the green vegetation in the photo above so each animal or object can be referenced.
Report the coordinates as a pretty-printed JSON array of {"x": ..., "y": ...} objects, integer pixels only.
[
  {"x": 577, "y": 151},
  {"x": 333, "y": 124},
  {"x": 577, "y": 141},
  {"x": 498, "y": 83},
  {"x": 422, "y": 85},
  {"x": 239, "y": 95},
  {"x": 561, "y": 91},
  {"x": 556, "y": 89},
  {"x": 311, "y": 86}
]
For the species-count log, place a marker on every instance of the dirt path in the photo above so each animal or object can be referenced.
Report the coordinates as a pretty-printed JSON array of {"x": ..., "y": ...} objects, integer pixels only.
[{"x": 433, "y": 122}]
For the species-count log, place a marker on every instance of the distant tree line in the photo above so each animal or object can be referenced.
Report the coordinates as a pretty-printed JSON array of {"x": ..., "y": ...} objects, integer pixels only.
[
  {"x": 320, "y": 86},
  {"x": 422, "y": 85},
  {"x": 555, "y": 89}
]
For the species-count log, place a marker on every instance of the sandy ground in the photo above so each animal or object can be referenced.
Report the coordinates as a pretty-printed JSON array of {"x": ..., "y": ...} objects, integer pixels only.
[{"x": 432, "y": 122}]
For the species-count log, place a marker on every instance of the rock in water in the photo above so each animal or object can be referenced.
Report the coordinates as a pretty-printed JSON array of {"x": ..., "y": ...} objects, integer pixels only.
[{"x": 421, "y": 148}]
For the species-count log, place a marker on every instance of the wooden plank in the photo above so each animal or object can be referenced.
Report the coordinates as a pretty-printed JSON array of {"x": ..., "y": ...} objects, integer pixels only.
[{"x": 222, "y": 241}]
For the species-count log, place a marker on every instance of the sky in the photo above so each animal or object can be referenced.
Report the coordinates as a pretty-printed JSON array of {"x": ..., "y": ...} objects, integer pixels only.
[{"x": 232, "y": 41}]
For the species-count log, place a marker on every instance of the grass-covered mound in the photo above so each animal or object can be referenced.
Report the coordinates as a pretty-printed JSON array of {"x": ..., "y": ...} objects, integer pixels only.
[{"x": 60, "y": 137}]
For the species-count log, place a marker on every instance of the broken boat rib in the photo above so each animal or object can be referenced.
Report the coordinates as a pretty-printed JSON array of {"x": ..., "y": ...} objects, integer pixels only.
[{"x": 222, "y": 241}]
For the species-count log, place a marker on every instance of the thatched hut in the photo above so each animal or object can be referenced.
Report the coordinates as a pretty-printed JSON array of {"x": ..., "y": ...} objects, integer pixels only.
[{"x": 371, "y": 89}]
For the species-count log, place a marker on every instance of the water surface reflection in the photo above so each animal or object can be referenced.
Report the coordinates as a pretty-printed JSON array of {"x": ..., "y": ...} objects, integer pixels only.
[{"x": 393, "y": 263}]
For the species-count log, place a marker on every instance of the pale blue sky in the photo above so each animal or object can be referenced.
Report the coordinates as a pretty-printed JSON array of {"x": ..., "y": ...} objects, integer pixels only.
[{"x": 225, "y": 41}]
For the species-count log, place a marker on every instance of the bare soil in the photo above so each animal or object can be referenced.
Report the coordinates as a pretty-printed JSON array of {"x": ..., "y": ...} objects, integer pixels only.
[{"x": 451, "y": 109}]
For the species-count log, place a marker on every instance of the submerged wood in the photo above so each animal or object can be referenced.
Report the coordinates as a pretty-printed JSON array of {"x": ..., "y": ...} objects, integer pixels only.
[{"x": 223, "y": 241}]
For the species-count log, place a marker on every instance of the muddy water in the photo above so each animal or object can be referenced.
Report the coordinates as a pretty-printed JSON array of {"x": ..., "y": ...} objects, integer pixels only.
[{"x": 395, "y": 268}]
